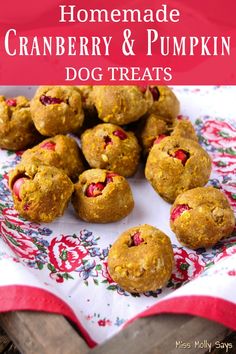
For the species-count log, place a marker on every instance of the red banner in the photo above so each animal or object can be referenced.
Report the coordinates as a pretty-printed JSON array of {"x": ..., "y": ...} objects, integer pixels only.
[{"x": 100, "y": 42}]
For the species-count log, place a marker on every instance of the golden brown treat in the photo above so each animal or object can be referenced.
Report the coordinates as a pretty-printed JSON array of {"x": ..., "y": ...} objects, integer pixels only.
[
  {"x": 108, "y": 146},
  {"x": 102, "y": 196},
  {"x": 17, "y": 130},
  {"x": 201, "y": 217},
  {"x": 183, "y": 128},
  {"x": 176, "y": 165},
  {"x": 165, "y": 104},
  {"x": 40, "y": 196},
  {"x": 121, "y": 104},
  {"x": 60, "y": 151},
  {"x": 57, "y": 110},
  {"x": 141, "y": 259},
  {"x": 90, "y": 113},
  {"x": 87, "y": 99},
  {"x": 149, "y": 129},
  {"x": 154, "y": 128}
]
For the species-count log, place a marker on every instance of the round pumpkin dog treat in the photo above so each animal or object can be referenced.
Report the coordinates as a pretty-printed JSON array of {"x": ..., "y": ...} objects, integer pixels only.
[
  {"x": 176, "y": 165},
  {"x": 110, "y": 147},
  {"x": 141, "y": 259},
  {"x": 102, "y": 196},
  {"x": 121, "y": 104},
  {"x": 153, "y": 129},
  {"x": 57, "y": 110},
  {"x": 165, "y": 104},
  {"x": 40, "y": 196},
  {"x": 60, "y": 151},
  {"x": 17, "y": 130},
  {"x": 201, "y": 217}
]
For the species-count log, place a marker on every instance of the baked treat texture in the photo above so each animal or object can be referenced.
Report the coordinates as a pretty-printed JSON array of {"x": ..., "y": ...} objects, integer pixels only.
[
  {"x": 17, "y": 130},
  {"x": 201, "y": 217},
  {"x": 108, "y": 146},
  {"x": 176, "y": 165},
  {"x": 141, "y": 259},
  {"x": 102, "y": 196},
  {"x": 57, "y": 110}
]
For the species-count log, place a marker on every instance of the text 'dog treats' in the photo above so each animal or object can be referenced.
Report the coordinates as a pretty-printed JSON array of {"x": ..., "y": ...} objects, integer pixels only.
[
  {"x": 201, "y": 217},
  {"x": 102, "y": 196},
  {"x": 141, "y": 259}
]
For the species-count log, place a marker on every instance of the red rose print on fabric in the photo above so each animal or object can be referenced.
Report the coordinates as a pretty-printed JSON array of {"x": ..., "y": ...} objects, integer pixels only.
[
  {"x": 219, "y": 133},
  {"x": 106, "y": 274},
  {"x": 187, "y": 265},
  {"x": 19, "y": 242},
  {"x": 66, "y": 253}
]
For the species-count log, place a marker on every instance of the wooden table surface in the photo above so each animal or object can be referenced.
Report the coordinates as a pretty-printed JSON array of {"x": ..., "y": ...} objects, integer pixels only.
[{"x": 41, "y": 333}]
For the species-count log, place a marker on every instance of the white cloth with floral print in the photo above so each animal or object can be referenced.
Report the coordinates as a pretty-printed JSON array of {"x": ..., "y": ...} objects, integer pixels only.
[{"x": 68, "y": 257}]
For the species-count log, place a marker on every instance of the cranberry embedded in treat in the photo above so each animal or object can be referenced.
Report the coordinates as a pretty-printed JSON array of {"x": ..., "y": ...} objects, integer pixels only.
[
  {"x": 94, "y": 189},
  {"x": 136, "y": 239},
  {"x": 182, "y": 156},
  {"x": 143, "y": 89},
  {"x": 107, "y": 140},
  {"x": 17, "y": 186},
  {"x": 120, "y": 134},
  {"x": 11, "y": 102},
  {"x": 180, "y": 117},
  {"x": 159, "y": 138},
  {"x": 155, "y": 93},
  {"x": 178, "y": 210},
  {"x": 109, "y": 177},
  {"x": 47, "y": 100},
  {"x": 49, "y": 145},
  {"x": 26, "y": 207}
]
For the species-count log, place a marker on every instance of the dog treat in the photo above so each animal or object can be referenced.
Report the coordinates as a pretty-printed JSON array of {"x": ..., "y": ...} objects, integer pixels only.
[
  {"x": 121, "y": 104},
  {"x": 42, "y": 195},
  {"x": 102, "y": 196},
  {"x": 175, "y": 165},
  {"x": 57, "y": 110},
  {"x": 165, "y": 104},
  {"x": 60, "y": 151},
  {"x": 110, "y": 147},
  {"x": 154, "y": 128},
  {"x": 201, "y": 217},
  {"x": 17, "y": 130},
  {"x": 141, "y": 259}
]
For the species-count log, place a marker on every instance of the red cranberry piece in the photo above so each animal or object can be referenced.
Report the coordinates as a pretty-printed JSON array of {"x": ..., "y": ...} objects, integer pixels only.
[
  {"x": 17, "y": 186},
  {"x": 182, "y": 156},
  {"x": 11, "y": 102},
  {"x": 159, "y": 138},
  {"x": 107, "y": 140},
  {"x": 47, "y": 100},
  {"x": 143, "y": 89},
  {"x": 136, "y": 239},
  {"x": 109, "y": 177},
  {"x": 180, "y": 117},
  {"x": 155, "y": 93},
  {"x": 120, "y": 134},
  {"x": 178, "y": 210},
  {"x": 26, "y": 207},
  {"x": 94, "y": 189},
  {"x": 49, "y": 145}
]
